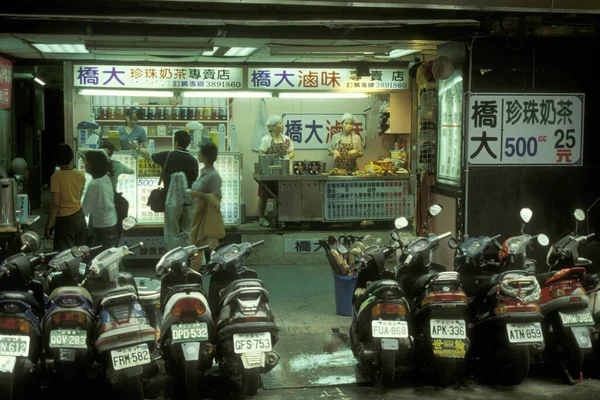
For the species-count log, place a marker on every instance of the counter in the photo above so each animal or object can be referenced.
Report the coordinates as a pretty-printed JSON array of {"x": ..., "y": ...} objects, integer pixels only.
[{"x": 325, "y": 198}]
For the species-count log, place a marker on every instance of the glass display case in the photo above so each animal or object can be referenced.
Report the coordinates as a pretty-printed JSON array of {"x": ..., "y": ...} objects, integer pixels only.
[{"x": 137, "y": 187}]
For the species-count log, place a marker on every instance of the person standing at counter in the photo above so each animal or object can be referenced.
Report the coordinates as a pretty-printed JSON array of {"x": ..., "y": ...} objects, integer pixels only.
[
  {"x": 346, "y": 147},
  {"x": 132, "y": 132},
  {"x": 178, "y": 219},
  {"x": 280, "y": 145},
  {"x": 118, "y": 168}
]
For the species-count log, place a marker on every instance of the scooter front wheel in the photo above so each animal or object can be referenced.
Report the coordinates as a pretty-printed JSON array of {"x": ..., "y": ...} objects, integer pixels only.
[
  {"x": 388, "y": 367},
  {"x": 250, "y": 381}
]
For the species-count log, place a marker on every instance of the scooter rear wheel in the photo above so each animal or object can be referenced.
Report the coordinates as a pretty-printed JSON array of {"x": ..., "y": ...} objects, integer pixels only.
[
  {"x": 388, "y": 367},
  {"x": 9, "y": 389},
  {"x": 250, "y": 381}
]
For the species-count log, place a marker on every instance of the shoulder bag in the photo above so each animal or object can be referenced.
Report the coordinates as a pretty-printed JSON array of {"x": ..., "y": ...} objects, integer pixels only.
[{"x": 158, "y": 197}]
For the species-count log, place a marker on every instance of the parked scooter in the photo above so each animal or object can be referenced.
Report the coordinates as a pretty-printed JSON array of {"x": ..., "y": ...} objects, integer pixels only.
[
  {"x": 505, "y": 320},
  {"x": 564, "y": 303},
  {"x": 187, "y": 330},
  {"x": 69, "y": 322},
  {"x": 21, "y": 309},
  {"x": 246, "y": 330},
  {"x": 125, "y": 341},
  {"x": 439, "y": 307},
  {"x": 379, "y": 334}
]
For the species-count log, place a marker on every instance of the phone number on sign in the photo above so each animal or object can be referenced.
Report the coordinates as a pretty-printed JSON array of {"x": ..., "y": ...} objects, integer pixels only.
[
  {"x": 391, "y": 85},
  {"x": 214, "y": 84}
]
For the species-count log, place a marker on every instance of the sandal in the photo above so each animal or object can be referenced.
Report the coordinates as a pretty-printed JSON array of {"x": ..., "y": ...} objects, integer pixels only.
[{"x": 264, "y": 222}]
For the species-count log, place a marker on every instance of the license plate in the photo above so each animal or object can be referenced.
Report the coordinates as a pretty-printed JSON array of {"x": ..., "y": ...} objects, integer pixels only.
[
  {"x": 68, "y": 339},
  {"x": 251, "y": 342},
  {"x": 389, "y": 329},
  {"x": 189, "y": 332},
  {"x": 448, "y": 329},
  {"x": 578, "y": 318},
  {"x": 389, "y": 344},
  {"x": 130, "y": 357},
  {"x": 524, "y": 333},
  {"x": 14, "y": 345},
  {"x": 7, "y": 364}
]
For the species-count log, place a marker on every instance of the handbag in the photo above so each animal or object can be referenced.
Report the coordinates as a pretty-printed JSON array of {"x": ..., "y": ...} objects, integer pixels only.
[{"x": 158, "y": 196}]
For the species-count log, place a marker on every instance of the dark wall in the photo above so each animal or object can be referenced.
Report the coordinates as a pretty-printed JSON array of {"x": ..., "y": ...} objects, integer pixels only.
[
  {"x": 496, "y": 194},
  {"x": 54, "y": 131}
]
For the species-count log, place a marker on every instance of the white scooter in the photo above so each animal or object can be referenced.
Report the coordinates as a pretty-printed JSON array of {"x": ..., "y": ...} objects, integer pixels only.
[{"x": 187, "y": 330}]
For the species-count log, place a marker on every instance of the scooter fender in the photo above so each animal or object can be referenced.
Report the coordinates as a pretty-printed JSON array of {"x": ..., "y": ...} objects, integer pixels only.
[
  {"x": 191, "y": 351},
  {"x": 581, "y": 336}
]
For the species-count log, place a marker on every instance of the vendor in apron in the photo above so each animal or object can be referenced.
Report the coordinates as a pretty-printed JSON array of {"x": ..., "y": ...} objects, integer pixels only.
[
  {"x": 275, "y": 143},
  {"x": 346, "y": 147}
]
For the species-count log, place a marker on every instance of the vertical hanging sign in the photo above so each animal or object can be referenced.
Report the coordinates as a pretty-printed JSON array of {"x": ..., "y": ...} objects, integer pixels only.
[{"x": 6, "y": 79}]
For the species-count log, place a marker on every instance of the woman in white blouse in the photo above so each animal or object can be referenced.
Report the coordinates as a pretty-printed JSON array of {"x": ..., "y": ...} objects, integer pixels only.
[{"x": 99, "y": 201}]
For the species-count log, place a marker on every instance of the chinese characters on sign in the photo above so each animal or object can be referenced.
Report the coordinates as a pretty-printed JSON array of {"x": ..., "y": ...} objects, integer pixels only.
[
  {"x": 314, "y": 131},
  {"x": 6, "y": 78},
  {"x": 307, "y": 79},
  {"x": 450, "y": 117},
  {"x": 154, "y": 246},
  {"x": 303, "y": 246},
  {"x": 154, "y": 77},
  {"x": 148, "y": 168},
  {"x": 515, "y": 129}
]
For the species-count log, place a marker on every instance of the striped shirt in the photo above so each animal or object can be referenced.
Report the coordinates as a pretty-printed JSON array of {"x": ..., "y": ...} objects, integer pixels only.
[{"x": 138, "y": 134}]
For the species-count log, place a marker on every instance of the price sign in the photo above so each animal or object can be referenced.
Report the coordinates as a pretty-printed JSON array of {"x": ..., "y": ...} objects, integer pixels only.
[{"x": 525, "y": 129}]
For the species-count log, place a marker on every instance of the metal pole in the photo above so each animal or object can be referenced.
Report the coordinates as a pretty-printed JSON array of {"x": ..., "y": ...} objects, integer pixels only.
[{"x": 465, "y": 155}]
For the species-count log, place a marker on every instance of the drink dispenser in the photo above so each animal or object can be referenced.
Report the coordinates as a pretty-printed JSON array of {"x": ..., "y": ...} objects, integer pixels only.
[{"x": 8, "y": 200}]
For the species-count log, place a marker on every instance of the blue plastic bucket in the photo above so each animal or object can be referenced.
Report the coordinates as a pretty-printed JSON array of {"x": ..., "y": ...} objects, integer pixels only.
[{"x": 344, "y": 289}]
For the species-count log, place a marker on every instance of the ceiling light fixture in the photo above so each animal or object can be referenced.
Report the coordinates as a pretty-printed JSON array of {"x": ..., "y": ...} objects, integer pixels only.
[
  {"x": 315, "y": 95},
  {"x": 38, "y": 80},
  {"x": 134, "y": 93},
  {"x": 211, "y": 52},
  {"x": 239, "y": 51},
  {"x": 398, "y": 53},
  {"x": 336, "y": 51},
  {"x": 227, "y": 94},
  {"x": 148, "y": 46},
  {"x": 61, "y": 48}
]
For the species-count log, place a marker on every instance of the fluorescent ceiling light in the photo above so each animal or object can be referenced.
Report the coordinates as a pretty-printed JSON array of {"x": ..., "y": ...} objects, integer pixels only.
[
  {"x": 329, "y": 50},
  {"x": 38, "y": 80},
  {"x": 148, "y": 46},
  {"x": 239, "y": 51},
  {"x": 397, "y": 53},
  {"x": 211, "y": 52},
  {"x": 230, "y": 94},
  {"x": 134, "y": 93},
  {"x": 22, "y": 75},
  {"x": 61, "y": 48},
  {"x": 315, "y": 95}
]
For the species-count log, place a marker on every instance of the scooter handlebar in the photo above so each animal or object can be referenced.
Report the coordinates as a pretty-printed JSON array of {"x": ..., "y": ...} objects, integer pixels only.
[
  {"x": 444, "y": 235},
  {"x": 135, "y": 246},
  {"x": 259, "y": 243}
]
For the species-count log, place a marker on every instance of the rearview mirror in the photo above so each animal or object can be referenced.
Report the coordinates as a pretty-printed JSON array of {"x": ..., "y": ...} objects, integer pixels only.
[
  {"x": 401, "y": 223},
  {"x": 579, "y": 215},
  {"x": 435, "y": 210},
  {"x": 543, "y": 239},
  {"x": 30, "y": 241},
  {"x": 128, "y": 223},
  {"x": 526, "y": 215},
  {"x": 453, "y": 243}
]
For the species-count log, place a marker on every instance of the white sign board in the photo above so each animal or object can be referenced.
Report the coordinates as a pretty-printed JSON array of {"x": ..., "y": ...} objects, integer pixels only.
[
  {"x": 157, "y": 77},
  {"x": 331, "y": 79},
  {"x": 525, "y": 129},
  {"x": 314, "y": 131},
  {"x": 303, "y": 246}
]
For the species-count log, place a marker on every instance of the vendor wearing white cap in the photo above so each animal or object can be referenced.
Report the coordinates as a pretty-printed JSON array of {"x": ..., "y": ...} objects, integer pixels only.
[
  {"x": 276, "y": 143},
  {"x": 346, "y": 147}
]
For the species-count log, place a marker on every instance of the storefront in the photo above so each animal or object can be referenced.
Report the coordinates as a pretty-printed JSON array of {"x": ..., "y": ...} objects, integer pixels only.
[{"x": 232, "y": 104}]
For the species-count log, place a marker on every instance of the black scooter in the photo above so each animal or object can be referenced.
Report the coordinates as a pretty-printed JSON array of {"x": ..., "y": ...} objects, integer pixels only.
[{"x": 246, "y": 330}]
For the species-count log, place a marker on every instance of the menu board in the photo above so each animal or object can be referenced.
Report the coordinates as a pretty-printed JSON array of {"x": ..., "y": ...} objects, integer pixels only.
[
  {"x": 228, "y": 166},
  {"x": 145, "y": 215}
]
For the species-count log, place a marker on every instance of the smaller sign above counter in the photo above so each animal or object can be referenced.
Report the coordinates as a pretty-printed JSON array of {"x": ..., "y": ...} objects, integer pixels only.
[
  {"x": 332, "y": 79},
  {"x": 314, "y": 131},
  {"x": 525, "y": 129},
  {"x": 157, "y": 77},
  {"x": 6, "y": 83}
]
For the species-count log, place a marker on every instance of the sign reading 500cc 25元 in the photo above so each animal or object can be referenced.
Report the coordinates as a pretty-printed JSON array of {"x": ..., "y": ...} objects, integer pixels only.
[{"x": 525, "y": 129}]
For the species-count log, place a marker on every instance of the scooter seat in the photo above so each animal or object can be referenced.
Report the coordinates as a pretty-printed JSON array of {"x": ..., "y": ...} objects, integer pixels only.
[
  {"x": 380, "y": 285},
  {"x": 542, "y": 278},
  {"x": 241, "y": 284},
  {"x": 70, "y": 290},
  {"x": 22, "y": 296}
]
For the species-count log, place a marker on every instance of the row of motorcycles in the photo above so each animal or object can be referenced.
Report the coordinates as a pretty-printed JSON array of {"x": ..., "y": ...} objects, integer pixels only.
[
  {"x": 491, "y": 313},
  {"x": 63, "y": 314}
]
